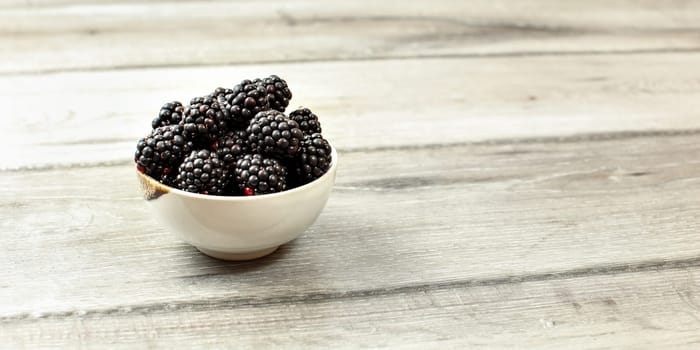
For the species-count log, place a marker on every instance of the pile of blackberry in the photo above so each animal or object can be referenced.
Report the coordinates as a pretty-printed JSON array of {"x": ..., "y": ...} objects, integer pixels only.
[{"x": 235, "y": 142}]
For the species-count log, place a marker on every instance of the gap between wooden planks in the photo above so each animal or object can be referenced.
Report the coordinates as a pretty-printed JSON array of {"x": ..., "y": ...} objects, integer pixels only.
[
  {"x": 421, "y": 217},
  {"x": 108, "y": 35},
  {"x": 93, "y": 118},
  {"x": 641, "y": 310}
]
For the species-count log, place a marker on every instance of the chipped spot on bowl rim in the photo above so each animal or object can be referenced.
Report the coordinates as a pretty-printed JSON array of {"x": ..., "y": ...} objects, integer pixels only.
[{"x": 151, "y": 189}]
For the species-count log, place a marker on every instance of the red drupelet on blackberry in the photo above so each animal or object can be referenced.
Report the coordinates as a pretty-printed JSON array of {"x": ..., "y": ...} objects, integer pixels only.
[
  {"x": 314, "y": 158},
  {"x": 277, "y": 91},
  {"x": 257, "y": 174},
  {"x": 272, "y": 133},
  {"x": 307, "y": 120},
  {"x": 202, "y": 172},
  {"x": 170, "y": 114}
]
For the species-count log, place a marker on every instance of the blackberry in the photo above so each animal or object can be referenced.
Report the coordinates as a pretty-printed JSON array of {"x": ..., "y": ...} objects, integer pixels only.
[
  {"x": 257, "y": 174},
  {"x": 307, "y": 120},
  {"x": 204, "y": 120},
  {"x": 277, "y": 91},
  {"x": 169, "y": 179},
  {"x": 314, "y": 158},
  {"x": 220, "y": 93},
  {"x": 170, "y": 114},
  {"x": 231, "y": 146},
  {"x": 202, "y": 172},
  {"x": 243, "y": 102},
  {"x": 272, "y": 133},
  {"x": 159, "y": 153}
]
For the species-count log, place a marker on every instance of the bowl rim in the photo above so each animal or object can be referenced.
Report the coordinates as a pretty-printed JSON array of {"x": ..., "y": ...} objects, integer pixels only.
[{"x": 331, "y": 168}]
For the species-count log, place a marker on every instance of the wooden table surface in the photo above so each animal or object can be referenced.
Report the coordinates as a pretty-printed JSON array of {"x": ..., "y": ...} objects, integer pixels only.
[{"x": 513, "y": 174}]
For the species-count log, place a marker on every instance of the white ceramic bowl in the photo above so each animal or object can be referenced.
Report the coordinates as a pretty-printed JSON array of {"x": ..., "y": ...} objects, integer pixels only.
[{"x": 239, "y": 228}]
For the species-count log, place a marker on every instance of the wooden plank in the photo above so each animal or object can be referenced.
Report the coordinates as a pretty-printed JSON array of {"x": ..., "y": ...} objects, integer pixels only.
[
  {"x": 121, "y": 35},
  {"x": 81, "y": 240},
  {"x": 36, "y": 4},
  {"x": 96, "y": 117},
  {"x": 640, "y": 310}
]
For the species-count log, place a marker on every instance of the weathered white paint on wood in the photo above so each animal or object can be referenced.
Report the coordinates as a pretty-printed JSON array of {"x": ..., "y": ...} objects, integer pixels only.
[
  {"x": 97, "y": 117},
  {"x": 118, "y": 35},
  {"x": 648, "y": 309},
  {"x": 513, "y": 175},
  {"x": 80, "y": 240}
]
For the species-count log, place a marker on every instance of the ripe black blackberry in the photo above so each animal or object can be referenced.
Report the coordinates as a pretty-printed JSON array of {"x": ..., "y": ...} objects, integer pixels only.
[
  {"x": 170, "y": 114},
  {"x": 231, "y": 146},
  {"x": 272, "y": 133},
  {"x": 202, "y": 172},
  {"x": 257, "y": 174},
  {"x": 243, "y": 102},
  {"x": 220, "y": 93},
  {"x": 169, "y": 179},
  {"x": 314, "y": 158},
  {"x": 204, "y": 120},
  {"x": 307, "y": 120},
  {"x": 277, "y": 91},
  {"x": 160, "y": 152}
]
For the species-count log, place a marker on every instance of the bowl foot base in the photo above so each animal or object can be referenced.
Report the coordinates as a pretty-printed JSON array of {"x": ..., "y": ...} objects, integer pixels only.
[{"x": 237, "y": 256}]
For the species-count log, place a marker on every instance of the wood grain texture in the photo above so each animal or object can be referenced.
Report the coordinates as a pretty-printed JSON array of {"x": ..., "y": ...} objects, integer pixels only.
[
  {"x": 512, "y": 175},
  {"x": 96, "y": 117},
  {"x": 625, "y": 310},
  {"x": 39, "y": 4},
  {"x": 81, "y": 241},
  {"x": 128, "y": 35}
]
